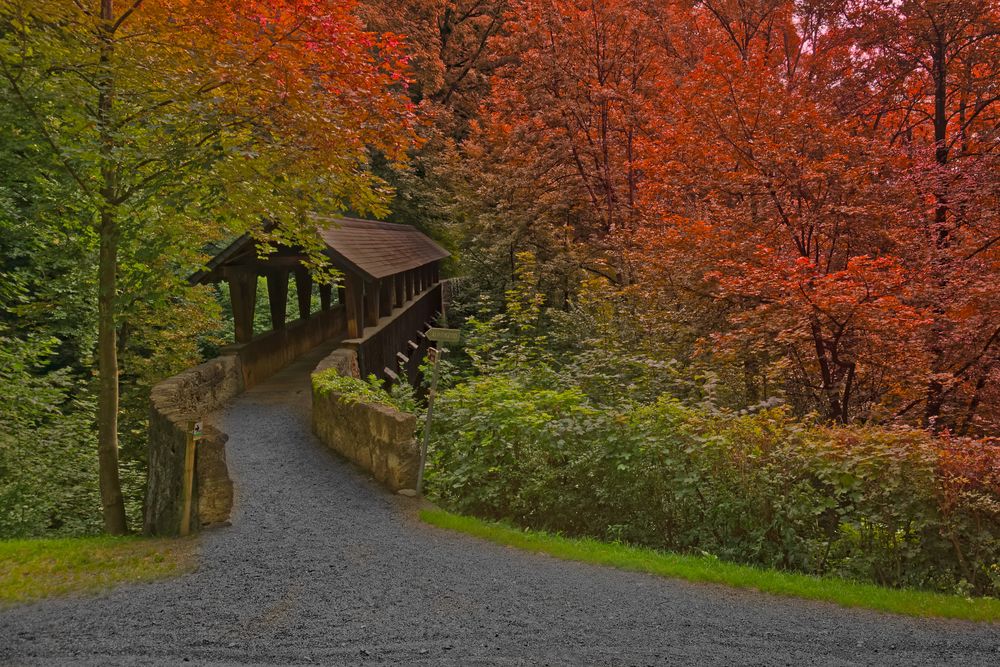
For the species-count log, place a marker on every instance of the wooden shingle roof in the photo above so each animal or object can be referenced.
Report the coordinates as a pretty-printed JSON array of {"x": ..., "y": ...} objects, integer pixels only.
[
  {"x": 378, "y": 249},
  {"x": 370, "y": 249}
]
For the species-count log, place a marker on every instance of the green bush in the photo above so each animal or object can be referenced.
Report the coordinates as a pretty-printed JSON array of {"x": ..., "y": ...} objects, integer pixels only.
[
  {"x": 48, "y": 449},
  {"x": 895, "y": 507},
  {"x": 400, "y": 396}
]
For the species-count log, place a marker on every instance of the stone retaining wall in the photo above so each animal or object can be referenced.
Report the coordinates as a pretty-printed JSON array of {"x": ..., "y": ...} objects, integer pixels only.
[
  {"x": 380, "y": 439},
  {"x": 175, "y": 404}
]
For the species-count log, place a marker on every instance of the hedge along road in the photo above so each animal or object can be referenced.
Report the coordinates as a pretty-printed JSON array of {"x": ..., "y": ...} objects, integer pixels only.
[{"x": 321, "y": 566}]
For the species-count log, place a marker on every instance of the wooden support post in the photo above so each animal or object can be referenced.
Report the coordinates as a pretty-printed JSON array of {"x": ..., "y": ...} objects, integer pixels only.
[
  {"x": 399, "y": 282},
  {"x": 325, "y": 296},
  {"x": 436, "y": 272},
  {"x": 341, "y": 295},
  {"x": 304, "y": 293},
  {"x": 385, "y": 297},
  {"x": 354, "y": 300},
  {"x": 408, "y": 279},
  {"x": 188, "y": 481},
  {"x": 277, "y": 296},
  {"x": 421, "y": 283},
  {"x": 372, "y": 294},
  {"x": 243, "y": 293}
]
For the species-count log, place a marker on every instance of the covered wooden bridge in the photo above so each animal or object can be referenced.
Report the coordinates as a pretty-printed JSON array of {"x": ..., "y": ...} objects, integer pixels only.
[{"x": 391, "y": 294}]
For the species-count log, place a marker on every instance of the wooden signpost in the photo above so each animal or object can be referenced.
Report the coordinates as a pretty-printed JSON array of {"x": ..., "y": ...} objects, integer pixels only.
[
  {"x": 437, "y": 335},
  {"x": 194, "y": 433},
  {"x": 440, "y": 335}
]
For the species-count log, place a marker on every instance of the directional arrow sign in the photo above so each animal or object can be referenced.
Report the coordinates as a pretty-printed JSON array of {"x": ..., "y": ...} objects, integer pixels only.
[{"x": 439, "y": 335}]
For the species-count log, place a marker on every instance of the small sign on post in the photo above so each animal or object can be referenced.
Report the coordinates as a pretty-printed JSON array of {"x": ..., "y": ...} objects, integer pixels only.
[
  {"x": 440, "y": 335},
  {"x": 437, "y": 335}
]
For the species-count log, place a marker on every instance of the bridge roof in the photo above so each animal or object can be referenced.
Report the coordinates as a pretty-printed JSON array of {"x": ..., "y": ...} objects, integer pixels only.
[
  {"x": 370, "y": 249},
  {"x": 379, "y": 249}
]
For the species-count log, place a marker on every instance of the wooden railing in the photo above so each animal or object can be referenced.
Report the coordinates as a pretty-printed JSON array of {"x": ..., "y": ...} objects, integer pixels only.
[
  {"x": 397, "y": 343},
  {"x": 271, "y": 351}
]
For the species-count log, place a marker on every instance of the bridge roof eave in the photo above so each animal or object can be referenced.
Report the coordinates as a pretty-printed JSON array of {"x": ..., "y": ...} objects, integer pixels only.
[{"x": 368, "y": 249}]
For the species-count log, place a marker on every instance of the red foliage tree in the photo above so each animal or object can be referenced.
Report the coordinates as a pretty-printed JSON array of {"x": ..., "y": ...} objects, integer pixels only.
[
  {"x": 566, "y": 113},
  {"x": 935, "y": 68},
  {"x": 818, "y": 171}
]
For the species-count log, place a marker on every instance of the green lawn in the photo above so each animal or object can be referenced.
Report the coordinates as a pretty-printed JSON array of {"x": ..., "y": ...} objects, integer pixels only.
[
  {"x": 703, "y": 569},
  {"x": 34, "y": 569}
]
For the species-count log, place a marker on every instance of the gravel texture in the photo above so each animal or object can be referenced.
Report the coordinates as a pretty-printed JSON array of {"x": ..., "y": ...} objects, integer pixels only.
[{"x": 321, "y": 566}]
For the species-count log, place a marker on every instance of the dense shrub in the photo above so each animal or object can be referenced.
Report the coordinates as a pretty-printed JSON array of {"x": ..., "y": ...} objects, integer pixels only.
[
  {"x": 48, "y": 452},
  {"x": 400, "y": 396},
  {"x": 892, "y": 506}
]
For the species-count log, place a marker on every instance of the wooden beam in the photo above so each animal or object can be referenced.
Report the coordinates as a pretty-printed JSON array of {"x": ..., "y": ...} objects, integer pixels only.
[
  {"x": 341, "y": 295},
  {"x": 326, "y": 296},
  {"x": 272, "y": 262},
  {"x": 408, "y": 279},
  {"x": 372, "y": 294},
  {"x": 304, "y": 292},
  {"x": 277, "y": 296},
  {"x": 354, "y": 300},
  {"x": 399, "y": 282},
  {"x": 385, "y": 297},
  {"x": 243, "y": 294}
]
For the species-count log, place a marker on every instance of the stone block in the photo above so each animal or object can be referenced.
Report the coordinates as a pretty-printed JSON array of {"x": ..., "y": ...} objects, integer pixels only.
[
  {"x": 378, "y": 438},
  {"x": 175, "y": 402},
  {"x": 215, "y": 489}
]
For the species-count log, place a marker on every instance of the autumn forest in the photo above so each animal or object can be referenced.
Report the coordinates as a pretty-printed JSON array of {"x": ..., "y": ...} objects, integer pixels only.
[{"x": 728, "y": 272}]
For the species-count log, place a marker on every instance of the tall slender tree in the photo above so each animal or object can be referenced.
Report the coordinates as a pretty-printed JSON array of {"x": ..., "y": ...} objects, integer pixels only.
[
  {"x": 186, "y": 121},
  {"x": 934, "y": 69}
]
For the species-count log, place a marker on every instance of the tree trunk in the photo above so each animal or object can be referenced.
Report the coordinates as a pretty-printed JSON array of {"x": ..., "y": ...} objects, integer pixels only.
[
  {"x": 836, "y": 411},
  {"x": 936, "y": 388},
  {"x": 107, "y": 421},
  {"x": 107, "y": 350}
]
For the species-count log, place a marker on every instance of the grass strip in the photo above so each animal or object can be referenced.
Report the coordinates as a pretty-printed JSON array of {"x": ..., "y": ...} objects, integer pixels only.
[
  {"x": 33, "y": 569},
  {"x": 712, "y": 570}
]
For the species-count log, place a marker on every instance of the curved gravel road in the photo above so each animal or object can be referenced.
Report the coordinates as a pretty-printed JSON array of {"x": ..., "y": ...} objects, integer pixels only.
[{"x": 321, "y": 566}]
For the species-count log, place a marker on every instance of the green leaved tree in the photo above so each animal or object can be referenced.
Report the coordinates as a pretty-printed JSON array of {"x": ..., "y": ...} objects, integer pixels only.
[{"x": 179, "y": 123}]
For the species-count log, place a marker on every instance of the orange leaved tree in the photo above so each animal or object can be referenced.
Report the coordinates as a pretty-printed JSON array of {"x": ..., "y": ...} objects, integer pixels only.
[{"x": 826, "y": 173}]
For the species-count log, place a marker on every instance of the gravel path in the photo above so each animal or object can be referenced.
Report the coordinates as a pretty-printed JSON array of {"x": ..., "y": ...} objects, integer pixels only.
[{"x": 321, "y": 566}]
